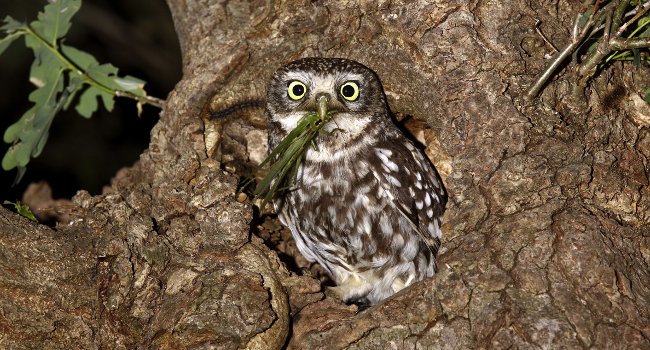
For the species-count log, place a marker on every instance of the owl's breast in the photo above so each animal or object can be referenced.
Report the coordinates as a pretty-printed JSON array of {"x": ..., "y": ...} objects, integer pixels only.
[
  {"x": 337, "y": 200},
  {"x": 338, "y": 146}
]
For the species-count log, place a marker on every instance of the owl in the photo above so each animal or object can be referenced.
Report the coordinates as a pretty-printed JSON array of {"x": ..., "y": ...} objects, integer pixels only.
[{"x": 366, "y": 204}]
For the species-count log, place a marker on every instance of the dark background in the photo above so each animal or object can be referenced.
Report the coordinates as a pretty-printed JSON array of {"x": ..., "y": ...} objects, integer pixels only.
[{"x": 138, "y": 38}]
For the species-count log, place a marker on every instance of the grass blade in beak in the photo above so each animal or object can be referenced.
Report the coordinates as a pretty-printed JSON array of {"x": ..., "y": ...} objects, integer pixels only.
[{"x": 286, "y": 157}]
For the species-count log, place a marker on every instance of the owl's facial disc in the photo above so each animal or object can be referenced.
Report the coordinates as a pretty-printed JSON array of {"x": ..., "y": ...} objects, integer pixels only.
[{"x": 350, "y": 98}]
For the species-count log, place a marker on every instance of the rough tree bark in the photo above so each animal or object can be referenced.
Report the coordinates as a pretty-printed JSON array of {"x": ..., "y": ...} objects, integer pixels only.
[{"x": 547, "y": 233}]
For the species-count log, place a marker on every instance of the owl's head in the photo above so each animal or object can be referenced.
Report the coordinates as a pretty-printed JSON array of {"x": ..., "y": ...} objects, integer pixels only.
[{"x": 349, "y": 88}]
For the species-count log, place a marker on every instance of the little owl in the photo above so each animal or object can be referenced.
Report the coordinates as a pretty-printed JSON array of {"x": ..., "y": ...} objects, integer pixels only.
[{"x": 367, "y": 203}]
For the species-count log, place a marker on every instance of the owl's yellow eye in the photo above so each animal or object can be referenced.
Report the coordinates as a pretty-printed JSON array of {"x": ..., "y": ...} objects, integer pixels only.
[
  {"x": 350, "y": 91},
  {"x": 296, "y": 90}
]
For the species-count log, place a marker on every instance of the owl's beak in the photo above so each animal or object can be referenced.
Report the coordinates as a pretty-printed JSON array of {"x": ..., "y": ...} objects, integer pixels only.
[{"x": 322, "y": 106}]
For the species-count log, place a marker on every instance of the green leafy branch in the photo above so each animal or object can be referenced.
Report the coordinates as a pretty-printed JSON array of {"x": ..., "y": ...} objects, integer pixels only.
[
  {"x": 615, "y": 30},
  {"x": 63, "y": 76}
]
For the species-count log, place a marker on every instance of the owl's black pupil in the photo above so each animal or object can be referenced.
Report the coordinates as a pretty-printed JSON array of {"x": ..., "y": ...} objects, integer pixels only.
[
  {"x": 298, "y": 90},
  {"x": 348, "y": 91}
]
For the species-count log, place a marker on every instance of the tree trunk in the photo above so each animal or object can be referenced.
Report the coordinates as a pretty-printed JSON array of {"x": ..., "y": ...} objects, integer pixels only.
[{"x": 547, "y": 232}]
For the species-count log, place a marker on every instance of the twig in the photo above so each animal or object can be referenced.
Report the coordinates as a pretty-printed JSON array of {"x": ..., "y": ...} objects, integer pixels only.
[
  {"x": 150, "y": 100},
  {"x": 631, "y": 12},
  {"x": 595, "y": 8},
  {"x": 539, "y": 31},
  {"x": 548, "y": 72},
  {"x": 156, "y": 102},
  {"x": 608, "y": 27},
  {"x": 614, "y": 42},
  {"x": 618, "y": 14},
  {"x": 638, "y": 15},
  {"x": 576, "y": 27},
  {"x": 629, "y": 44},
  {"x": 579, "y": 35}
]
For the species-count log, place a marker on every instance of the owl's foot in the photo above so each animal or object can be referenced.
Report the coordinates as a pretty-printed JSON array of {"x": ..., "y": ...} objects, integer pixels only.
[
  {"x": 361, "y": 303},
  {"x": 335, "y": 292},
  {"x": 339, "y": 293}
]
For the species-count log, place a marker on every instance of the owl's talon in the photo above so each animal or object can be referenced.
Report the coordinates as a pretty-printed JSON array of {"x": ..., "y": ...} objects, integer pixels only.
[
  {"x": 305, "y": 271},
  {"x": 335, "y": 293},
  {"x": 361, "y": 303}
]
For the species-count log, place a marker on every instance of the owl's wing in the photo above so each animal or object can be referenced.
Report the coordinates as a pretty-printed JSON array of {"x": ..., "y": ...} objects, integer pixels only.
[{"x": 413, "y": 186}]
